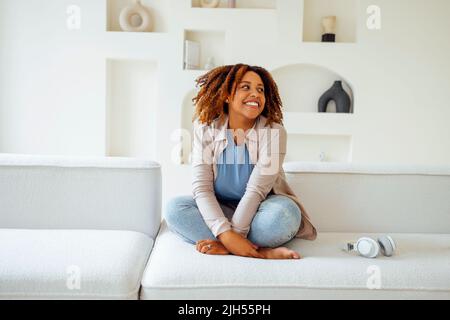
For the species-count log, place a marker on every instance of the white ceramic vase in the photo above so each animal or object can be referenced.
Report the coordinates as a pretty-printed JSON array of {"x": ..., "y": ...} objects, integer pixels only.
[
  {"x": 231, "y": 3},
  {"x": 210, "y": 64},
  {"x": 209, "y": 3},
  {"x": 136, "y": 18}
]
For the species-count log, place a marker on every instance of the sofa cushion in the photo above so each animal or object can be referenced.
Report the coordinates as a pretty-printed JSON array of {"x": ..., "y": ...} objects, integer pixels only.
[
  {"x": 419, "y": 269},
  {"x": 72, "y": 264}
]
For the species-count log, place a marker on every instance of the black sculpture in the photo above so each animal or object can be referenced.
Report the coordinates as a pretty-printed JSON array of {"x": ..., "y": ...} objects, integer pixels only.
[
  {"x": 329, "y": 27},
  {"x": 338, "y": 95},
  {"x": 328, "y": 37}
]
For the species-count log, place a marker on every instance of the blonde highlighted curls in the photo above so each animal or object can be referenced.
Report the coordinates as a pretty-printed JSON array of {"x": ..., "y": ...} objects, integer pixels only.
[{"x": 221, "y": 82}]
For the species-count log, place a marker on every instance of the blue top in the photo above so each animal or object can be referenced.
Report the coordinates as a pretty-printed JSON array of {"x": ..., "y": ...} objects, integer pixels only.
[{"x": 233, "y": 171}]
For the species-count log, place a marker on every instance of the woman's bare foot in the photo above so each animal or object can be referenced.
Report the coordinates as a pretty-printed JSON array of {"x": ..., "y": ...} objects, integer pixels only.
[
  {"x": 211, "y": 247},
  {"x": 279, "y": 253}
]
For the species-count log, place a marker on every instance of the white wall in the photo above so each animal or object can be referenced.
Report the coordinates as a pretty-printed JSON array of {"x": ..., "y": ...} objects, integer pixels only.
[
  {"x": 54, "y": 92},
  {"x": 51, "y": 81}
]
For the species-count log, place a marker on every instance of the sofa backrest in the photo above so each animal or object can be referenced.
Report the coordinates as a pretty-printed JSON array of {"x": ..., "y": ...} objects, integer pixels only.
[
  {"x": 373, "y": 198},
  {"x": 58, "y": 192}
]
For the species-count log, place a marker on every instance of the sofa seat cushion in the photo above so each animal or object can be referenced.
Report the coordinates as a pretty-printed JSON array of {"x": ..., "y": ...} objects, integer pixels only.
[
  {"x": 72, "y": 264},
  {"x": 419, "y": 269}
]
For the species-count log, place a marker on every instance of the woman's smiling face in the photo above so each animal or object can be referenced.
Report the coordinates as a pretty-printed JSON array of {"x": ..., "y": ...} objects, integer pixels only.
[{"x": 249, "y": 99}]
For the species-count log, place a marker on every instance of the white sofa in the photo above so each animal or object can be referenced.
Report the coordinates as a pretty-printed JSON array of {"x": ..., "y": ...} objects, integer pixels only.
[
  {"x": 412, "y": 204},
  {"x": 85, "y": 227},
  {"x": 76, "y": 228}
]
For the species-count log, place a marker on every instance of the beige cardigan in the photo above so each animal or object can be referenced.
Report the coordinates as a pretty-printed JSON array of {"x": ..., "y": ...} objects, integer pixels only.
[{"x": 267, "y": 175}]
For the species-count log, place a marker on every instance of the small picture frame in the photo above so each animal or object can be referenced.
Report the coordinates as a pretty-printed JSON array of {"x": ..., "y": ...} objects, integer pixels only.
[{"x": 191, "y": 55}]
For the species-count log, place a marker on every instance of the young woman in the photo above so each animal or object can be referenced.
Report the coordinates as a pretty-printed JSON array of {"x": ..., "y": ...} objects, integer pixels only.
[{"x": 241, "y": 202}]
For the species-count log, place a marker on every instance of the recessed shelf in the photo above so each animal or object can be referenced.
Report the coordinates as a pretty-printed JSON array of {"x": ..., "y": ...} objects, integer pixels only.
[
  {"x": 319, "y": 123},
  {"x": 196, "y": 72},
  {"x": 158, "y": 10},
  {"x": 346, "y": 15},
  {"x": 240, "y": 4},
  {"x": 131, "y": 107},
  {"x": 302, "y": 85},
  {"x": 325, "y": 148},
  {"x": 211, "y": 44}
]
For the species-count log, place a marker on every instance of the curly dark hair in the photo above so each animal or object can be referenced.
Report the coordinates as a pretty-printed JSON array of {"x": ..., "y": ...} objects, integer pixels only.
[{"x": 221, "y": 82}]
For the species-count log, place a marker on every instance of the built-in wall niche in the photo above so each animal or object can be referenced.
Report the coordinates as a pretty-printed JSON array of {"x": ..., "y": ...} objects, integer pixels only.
[
  {"x": 302, "y": 85},
  {"x": 203, "y": 49},
  {"x": 240, "y": 4},
  {"x": 131, "y": 107},
  {"x": 158, "y": 10},
  {"x": 346, "y": 19},
  {"x": 322, "y": 148}
]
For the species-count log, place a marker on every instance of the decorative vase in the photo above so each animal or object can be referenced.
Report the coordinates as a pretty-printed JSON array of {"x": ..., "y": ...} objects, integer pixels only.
[
  {"x": 329, "y": 29},
  {"x": 231, "y": 3},
  {"x": 209, "y": 3},
  {"x": 210, "y": 64},
  {"x": 135, "y": 18},
  {"x": 338, "y": 95}
]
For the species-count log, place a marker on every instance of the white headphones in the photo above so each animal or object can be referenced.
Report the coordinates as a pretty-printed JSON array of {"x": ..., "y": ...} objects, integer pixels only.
[{"x": 369, "y": 248}]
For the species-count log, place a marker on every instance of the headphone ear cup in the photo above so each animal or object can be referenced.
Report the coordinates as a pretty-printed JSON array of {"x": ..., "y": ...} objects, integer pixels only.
[
  {"x": 367, "y": 247},
  {"x": 387, "y": 245}
]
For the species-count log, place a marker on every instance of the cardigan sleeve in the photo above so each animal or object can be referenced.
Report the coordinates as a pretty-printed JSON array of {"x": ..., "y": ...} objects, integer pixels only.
[
  {"x": 203, "y": 181},
  {"x": 271, "y": 154}
]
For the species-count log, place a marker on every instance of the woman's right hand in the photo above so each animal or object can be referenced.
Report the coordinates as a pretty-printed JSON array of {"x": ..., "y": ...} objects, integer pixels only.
[{"x": 238, "y": 245}]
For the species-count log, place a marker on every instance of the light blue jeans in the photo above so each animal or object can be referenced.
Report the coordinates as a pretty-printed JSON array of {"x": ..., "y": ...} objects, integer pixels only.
[{"x": 276, "y": 221}]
